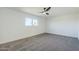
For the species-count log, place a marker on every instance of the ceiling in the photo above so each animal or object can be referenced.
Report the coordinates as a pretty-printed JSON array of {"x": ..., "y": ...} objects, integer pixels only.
[{"x": 54, "y": 11}]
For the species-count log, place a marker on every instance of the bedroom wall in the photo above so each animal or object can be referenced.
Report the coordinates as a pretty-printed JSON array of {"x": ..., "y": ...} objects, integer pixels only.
[
  {"x": 63, "y": 25},
  {"x": 78, "y": 25},
  {"x": 0, "y": 29},
  {"x": 13, "y": 26}
]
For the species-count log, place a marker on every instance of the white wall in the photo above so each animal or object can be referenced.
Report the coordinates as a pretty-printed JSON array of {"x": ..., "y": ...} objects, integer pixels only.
[
  {"x": 78, "y": 25},
  {"x": 0, "y": 29},
  {"x": 63, "y": 25},
  {"x": 13, "y": 26}
]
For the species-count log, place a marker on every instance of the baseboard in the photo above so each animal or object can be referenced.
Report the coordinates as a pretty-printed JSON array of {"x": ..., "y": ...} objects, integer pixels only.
[
  {"x": 37, "y": 35},
  {"x": 21, "y": 38},
  {"x": 63, "y": 35}
]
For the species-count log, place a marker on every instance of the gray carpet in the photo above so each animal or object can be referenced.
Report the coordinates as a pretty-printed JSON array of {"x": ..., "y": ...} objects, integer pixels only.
[{"x": 43, "y": 42}]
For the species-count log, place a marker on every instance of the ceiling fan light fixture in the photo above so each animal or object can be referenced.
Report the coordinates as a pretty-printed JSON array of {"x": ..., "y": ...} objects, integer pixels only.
[{"x": 43, "y": 13}]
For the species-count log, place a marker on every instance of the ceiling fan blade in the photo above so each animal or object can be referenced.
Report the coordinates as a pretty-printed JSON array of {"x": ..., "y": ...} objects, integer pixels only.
[
  {"x": 47, "y": 13},
  {"x": 48, "y": 8}
]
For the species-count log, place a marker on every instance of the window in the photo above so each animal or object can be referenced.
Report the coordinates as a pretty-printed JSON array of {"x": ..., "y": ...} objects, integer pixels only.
[
  {"x": 31, "y": 22},
  {"x": 28, "y": 22},
  {"x": 35, "y": 22}
]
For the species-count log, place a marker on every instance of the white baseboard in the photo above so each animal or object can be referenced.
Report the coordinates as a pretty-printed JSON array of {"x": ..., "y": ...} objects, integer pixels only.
[{"x": 62, "y": 35}]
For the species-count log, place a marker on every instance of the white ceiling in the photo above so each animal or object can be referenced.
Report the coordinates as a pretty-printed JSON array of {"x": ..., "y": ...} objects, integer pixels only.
[{"x": 55, "y": 11}]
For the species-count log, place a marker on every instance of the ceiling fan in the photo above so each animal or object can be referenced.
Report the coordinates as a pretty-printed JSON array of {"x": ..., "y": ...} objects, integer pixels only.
[{"x": 45, "y": 10}]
